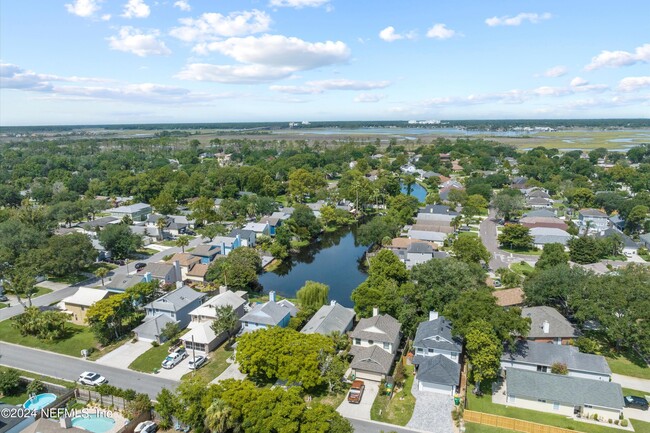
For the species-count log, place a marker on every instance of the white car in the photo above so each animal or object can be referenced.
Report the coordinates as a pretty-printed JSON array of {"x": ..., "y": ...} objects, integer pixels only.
[
  {"x": 197, "y": 362},
  {"x": 92, "y": 379},
  {"x": 146, "y": 427}
]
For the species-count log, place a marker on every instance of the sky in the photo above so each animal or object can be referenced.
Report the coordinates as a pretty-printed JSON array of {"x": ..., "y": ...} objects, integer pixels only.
[{"x": 171, "y": 61}]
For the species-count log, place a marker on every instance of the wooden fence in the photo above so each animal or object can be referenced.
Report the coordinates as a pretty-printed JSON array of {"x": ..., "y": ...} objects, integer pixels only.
[
  {"x": 87, "y": 395},
  {"x": 512, "y": 423}
]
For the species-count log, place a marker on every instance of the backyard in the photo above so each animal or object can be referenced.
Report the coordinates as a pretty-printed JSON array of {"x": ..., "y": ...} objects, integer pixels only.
[
  {"x": 398, "y": 409},
  {"x": 78, "y": 338}
]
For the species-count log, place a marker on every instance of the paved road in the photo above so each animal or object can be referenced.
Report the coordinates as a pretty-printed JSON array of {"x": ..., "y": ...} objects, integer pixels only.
[
  {"x": 632, "y": 382},
  {"x": 69, "y": 368},
  {"x": 41, "y": 301},
  {"x": 361, "y": 426},
  {"x": 158, "y": 256},
  {"x": 500, "y": 258}
]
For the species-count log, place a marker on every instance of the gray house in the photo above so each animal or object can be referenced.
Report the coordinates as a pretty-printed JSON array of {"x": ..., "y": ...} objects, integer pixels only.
[
  {"x": 120, "y": 282},
  {"x": 176, "y": 304},
  {"x": 166, "y": 273},
  {"x": 374, "y": 344},
  {"x": 549, "y": 326},
  {"x": 547, "y": 235},
  {"x": 137, "y": 212},
  {"x": 437, "y": 355},
  {"x": 330, "y": 318},
  {"x": 266, "y": 315}
]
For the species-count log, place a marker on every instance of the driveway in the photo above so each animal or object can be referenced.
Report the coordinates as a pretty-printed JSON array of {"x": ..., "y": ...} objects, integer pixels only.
[
  {"x": 361, "y": 410},
  {"x": 232, "y": 372},
  {"x": 432, "y": 411},
  {"x": 177, "y": 372},
  {"x": 641, "y": 415},
  {"x": 124, "y": 355},
  {"x": 632, "y": 382}
]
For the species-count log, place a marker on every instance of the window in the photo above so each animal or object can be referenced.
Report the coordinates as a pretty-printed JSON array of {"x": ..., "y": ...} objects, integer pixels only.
[
  {"x": 420, "y": 350},
  {"x": 357, "y": 341},
  {"x": 386, "y": 346},
  {"x": 431, "y": 351},
  {"x": 556, "y": 405},
  {"x": 542, "y": 368}
]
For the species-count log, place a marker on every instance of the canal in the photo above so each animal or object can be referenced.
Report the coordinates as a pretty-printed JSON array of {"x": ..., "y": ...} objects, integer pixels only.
[{"x": 334, "y": 259}]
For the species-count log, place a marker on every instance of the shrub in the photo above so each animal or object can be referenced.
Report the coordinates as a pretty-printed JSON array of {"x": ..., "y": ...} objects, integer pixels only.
[
  {"x": 616, "y": 422},
  {"x": 35, "y": 387},
  {"x": 155, "y": 343},
  {"x": 624, "y": 423},
  {"x": 610, "y": 421},
  {"x": 559, "y": 368},
  {"x": 595, "y": 417},
  {"x": 9, "y": 381}
]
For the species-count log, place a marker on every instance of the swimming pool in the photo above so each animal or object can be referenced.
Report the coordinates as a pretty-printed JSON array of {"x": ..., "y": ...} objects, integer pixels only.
[
  {"x": 39, "y": 401},
  {"x": 93, "y": 423}
]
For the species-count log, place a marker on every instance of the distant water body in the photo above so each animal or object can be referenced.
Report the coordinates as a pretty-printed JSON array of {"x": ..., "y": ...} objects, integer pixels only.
[{"x": 407, "y": 132}]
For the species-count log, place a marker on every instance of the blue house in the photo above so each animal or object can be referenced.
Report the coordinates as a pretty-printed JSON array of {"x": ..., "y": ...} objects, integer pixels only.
[
  {"x": 266, "y": 315},
  {"x": 206, "y": 253},
  {"x": 227, "y": 243}
]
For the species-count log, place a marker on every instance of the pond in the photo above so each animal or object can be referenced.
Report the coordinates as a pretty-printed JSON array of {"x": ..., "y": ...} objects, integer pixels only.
[
  {"x": 334, "y": 259},
  {"x": 417, "y": 191}
]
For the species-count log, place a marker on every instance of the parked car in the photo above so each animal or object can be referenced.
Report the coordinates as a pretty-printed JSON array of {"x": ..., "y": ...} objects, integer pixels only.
[
  {"x": 197, "y": 362},
  {"x": 91, "y": 378},
  {"x": 636, "y": 402},
  {"x": 140, "y": 265},
  {"x": 3, "y": 298},
  {"x": 356, "y": 392},
  {"x": 146, "y": 427},
  {"x": 175, "y": 358}
]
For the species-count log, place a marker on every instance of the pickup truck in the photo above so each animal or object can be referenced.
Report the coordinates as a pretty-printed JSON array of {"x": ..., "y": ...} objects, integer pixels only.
[{"x": 356, "y": 392}]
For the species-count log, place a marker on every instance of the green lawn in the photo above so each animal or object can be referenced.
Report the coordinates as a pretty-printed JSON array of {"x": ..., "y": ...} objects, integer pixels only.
[
  {"x": 41, "y": 291},
  {"x": 628, "y": 391},
  {"x": 522, "y": 268},
  {"x": 146, "y": 251},
  {"x": 215, "y": 366},
  {"x": 80, "y": 337},
  {"x": 151, "y": 359},
  {"x": 18, "y": 398},
  {"x": 470, "y": 234},
  {"x": 69, "y": 279},
  {"x": 641, "y": 426},
  {"x": 622, "y": 365},
  {"x": 398, "y": 409},
  {"x": 471, "y": 427},
  {"x": 167, "y": 243},
  {"x": 92, "y": 268},
  {"x": 2, "y": 305},
  {"x": 66, "y": 383},
  {"x": 484, "y": 404},
  {"x": 534, "y": 252}
]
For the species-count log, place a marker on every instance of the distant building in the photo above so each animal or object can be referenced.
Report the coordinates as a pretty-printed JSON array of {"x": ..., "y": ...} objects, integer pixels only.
[
  {"x": 137, "y": 212},
  {"x": 595, "y": 219}
]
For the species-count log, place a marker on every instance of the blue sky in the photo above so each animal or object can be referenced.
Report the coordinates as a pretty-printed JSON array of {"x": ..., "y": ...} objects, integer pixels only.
[{"x": 146, "y": 61}]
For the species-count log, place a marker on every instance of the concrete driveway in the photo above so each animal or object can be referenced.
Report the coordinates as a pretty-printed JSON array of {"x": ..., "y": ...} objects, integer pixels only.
[
  {"x": 632, "y": 382},
  {"x": 177, "y": 372},
  {"x": 124, "y": 355},
  {"x": 232, "y": 372},
  {"x": 641, "y": 415},
  {"x": 432, "y": 411},
  {"x": 361, "y": 410}
]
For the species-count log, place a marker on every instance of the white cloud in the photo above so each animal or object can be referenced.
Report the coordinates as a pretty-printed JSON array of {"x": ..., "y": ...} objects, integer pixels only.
[
  {"x": 631, "y": 84},
  {"x": 106, "y": 17},
  {"x": 517, "y": 19},
  {"x": 136, "y": 9},
  {"x": 616, "y": 59},
  {"x": 344, "y": 84},
  {"x": 578, "y": 81},
  {"x": 211, "y": 26},
  {"x": 556, "y": 71},
  {"x": 141, "y": 44},
  {"x": 296, "y": 90},
  {"x": 579, "y": 84},
  {"x": 389, "y": 34},
  {"x": 83, "y": 8},
  {"x": 183, "y": 5},
  {"x": 440, "y": 31},
  {"x": 369, "y": 97},
  {"x": 298, "y": 4},
  {"x": 551, "y": 91},
  {"x": 233, "y": 74}
]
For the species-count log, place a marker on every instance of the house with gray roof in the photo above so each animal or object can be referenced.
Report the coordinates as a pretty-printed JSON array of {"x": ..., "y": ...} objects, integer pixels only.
[
  {"x": 438, "y": 209},
  {"x": 563, "y": 395},
  {"x": 549, "y": 235},
  {"x": 372, "y": 336},
  {"x": 120, "y": 282},
  {"x": 206, "y": 252},
  {"x": 137, "y": 211},
  {"x": 629, "y": 248},
  {"x": 330, "y": 318},
  {"x": 596, "y": 219},
  {"x": 437, "y": 355},
  {"x": 166, "y": 273},
  {"x": 543, "y": 213},
  {"x": 536, "y": 356},
  {"x": 248, "y": 234},
  {"x": 549, "y": 326},
  {"x": 177, "y": 304},
  {"x": 266, "y": 315},
  {"x": 152, "y": 328}
]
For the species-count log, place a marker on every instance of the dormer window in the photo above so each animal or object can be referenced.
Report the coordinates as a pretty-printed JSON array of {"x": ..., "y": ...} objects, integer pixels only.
[{"x": 437, "y": 338}]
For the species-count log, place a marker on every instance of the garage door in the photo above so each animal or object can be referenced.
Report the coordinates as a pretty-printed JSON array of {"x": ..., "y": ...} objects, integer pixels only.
[
  {"x": 366, "y": 375},
  {"x": 434, "y": 387}
]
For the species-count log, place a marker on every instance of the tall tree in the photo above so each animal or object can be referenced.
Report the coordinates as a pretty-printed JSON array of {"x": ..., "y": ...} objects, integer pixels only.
[
  {"x": 484, "y": 351},
  {"x": 183, "y": 241},
  {"x": 313, "y": 295},
  {"x": 226, "y": 321},
  {"x": 102, "y": 273},
  {"x": 118, "y": 239},
  {"x": 470, "y": 249},
  {"x": 552, "y": 255},
  {"x": 508, "y": 203},
  {"x": 516, "y": 236}
]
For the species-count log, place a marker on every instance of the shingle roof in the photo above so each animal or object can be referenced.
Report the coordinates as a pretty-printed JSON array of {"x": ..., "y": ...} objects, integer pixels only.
[
  {"x": 426, "y": 235},
  {"x": 201, "y": 333},
  {"x": 537, "y": 221},
  {"x": 184, "y": 259},
  {"x": 627, "y": 241},
  {"x": 438, "y": 209},
  {"x": 137, "y": 207},
  {"x": 433, "y": 218},
  {"x": 403, "y": 243},
  {"x": 439, "y": 369},
  {"x": 509, "y": 297},
  {"x": 559, "y": 326},
  {"x": 198, "y": 270},
  {"x": 544, "y": 213},
  {"x": 572, "y": 391},
  {"x": 329, "y": 318},
  {"x": 549, "y": 235},
  {"x": 159, "y": 270},
  {"x": 154, "y": 325},
  {"x": 373, "y": 358},
  {"x": 226, "y": 298},
  {"x": 293, "y": 310},
  {"x": 123, "y": 282},
  {"x": 175, "y": 300},
  {"x": 419, "y": 248},
  {"x": 205, "y": 250},
  {"x": 86, "y": 296},
  {"x": 547, "y": 354},
  {"x": 427, "y": 331},
  {"x": 269, "y": 313},
  {"x": 100, "y": 222},
  {"x": 381, "y": 328},
  {"x": 593, "y": 213}
]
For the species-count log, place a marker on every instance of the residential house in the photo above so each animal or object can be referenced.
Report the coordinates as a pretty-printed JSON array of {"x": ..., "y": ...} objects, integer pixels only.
[
  {"x": 92, "y": 227},
  {"x": 509, "y": 297},
  {"x": 120, "y": 282},
  {"x": 437, "y": 209},
  {"x": 563, "y": 395},
  {"x": 537, "y": 356},
  {"x": 200, "y": 336},
  {"x": 539, "y": 203},
  {"x": 198, "y": 272},
  {"x": 544, "y": 235},
  {"x": 402, "y": 244},
  {"x": 17, "y": 424},
  {"x": 435, "y": 234},
  {"x": 629, "y": 249},
  {"x": 419, "y": 252},
  {"x": 437, "y": 355},
  {"x": 152, "y": 327},
  {"x": 173, "y": 225},
  {"x": 186, "y": 261},
  {"x": 375, "y": 341},
  {"x": 148, "y": 234},
  {"x": 434, "y": 218},
  {"x": 544, "y": 213},
  {"x": 273, "y": 222},
  {"x": 248, "y": 235},
  {"x": 293, "y": 310},
  {"x": 78, "y": 304},
  {"x": 548, "y": 222},
  {"x": 206, "y": 252},
  {"x": 549, "y": 326},
  {"x": 596, "y": 220},
  {"x": 519, "y": 182},
  {"x": 330, "y": 318},
  {"x": 266, "y": 315},
  {"x": 226, "y": 243},
  {"x": 617, "y": 221},
  {"x": 166, "y": 273},
  {"x": 444, "y": 192},
  {"x": 137, "y": 212}
]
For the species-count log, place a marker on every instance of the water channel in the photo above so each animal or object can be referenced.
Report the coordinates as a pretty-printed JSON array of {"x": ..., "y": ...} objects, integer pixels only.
[{"x": 334, "y": 259}]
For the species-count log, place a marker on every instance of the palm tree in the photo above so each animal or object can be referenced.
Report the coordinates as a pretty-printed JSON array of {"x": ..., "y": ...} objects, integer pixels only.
[
  {"x": 182, "y": 242},
  {"x": 101, "y": 273},
  {"x": 219, "y": 418},
  {"x": 457, "y": 221},
  {"x": 161, "y": 223}
]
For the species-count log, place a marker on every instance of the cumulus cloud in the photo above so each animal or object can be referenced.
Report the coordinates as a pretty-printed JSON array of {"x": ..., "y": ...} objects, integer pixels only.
[
  {"x": 183, "y": 5},
  {"x": 83, "y": 8},
  {"x": 389, "y": 34},
  {"x": 319, "y": 86},
  {"x": 556, "y": 71},
  {"x": 369, "y": 97},
  {"x": 517, "y": 19},
  {"x": 631, "y": 84},
  {"x": 296, "y": 90},
  {"x": 440, "y": 31},
  {"x": 137, "y": 42},
  {"x": 211, "y": 26},
  {"x": 298, "y": 4},
  {"x": 578, "y": 81},
  {"x": 136, "y": 9},
  {"x": 579, "y": 84},
  {"x": 233, "y": 74},
  {"x": 616, "y": 59}
]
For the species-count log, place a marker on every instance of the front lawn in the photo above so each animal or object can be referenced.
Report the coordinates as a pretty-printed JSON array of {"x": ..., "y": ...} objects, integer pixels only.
[
  {"x": 215, "y": 366},
  {"x": 484, "y": 404},
  {"x": 398, "y": 409},
  {"x": 41, "y": 291},
  {"x": 628, "y": 391},
  {"x": 79, "y": 338},
  {"x": 19, "y": 397},
  {"x": 68, "y": 279},
  {"x": 623, "y": 365},
  {"x": 471, "y": 427},
  {"x": 533, "y": 252},
  {"x": 151, "y": 359},
  {"x": 3, "y": 305},
  {"x": 640, "y": 426},
  {"x": 522, "y": 268},
  {"x": 92, "y": 268}
]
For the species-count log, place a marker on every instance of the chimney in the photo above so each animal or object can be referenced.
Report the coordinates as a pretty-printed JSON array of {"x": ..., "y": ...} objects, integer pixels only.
[
  {"x": 332, "y": 302},
  {"x": 147, "y": 277},
  {"x": 546, "y": 327},
  {"x": 433, "y": 315},
  {"x": 375, "y": 311},
  {"x": 65, "y": 422},
  {"x": 223, "y": 289},
  {"x": 272, "y": 296},
  {"x": 177, "y": 268},
  {"x": 179, "y": 284}
]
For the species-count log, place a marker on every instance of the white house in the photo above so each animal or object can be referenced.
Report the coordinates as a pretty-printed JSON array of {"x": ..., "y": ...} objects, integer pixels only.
[{"x": 375, "y": 341}]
